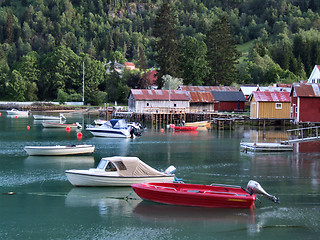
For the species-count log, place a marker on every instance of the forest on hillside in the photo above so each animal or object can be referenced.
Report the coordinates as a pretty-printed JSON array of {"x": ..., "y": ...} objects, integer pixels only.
[{"x": 45, "y": 43}]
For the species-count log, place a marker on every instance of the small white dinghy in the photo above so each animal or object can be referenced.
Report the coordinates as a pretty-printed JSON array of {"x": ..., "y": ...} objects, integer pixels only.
[
  {"x": 16, "y": 112},
  {"x": 119, "y": 171},
  {"x": 59, "y": 150},
  {"x": 47, "y": 117}
]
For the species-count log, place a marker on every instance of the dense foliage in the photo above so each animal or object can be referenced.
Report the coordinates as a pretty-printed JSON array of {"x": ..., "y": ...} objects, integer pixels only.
[{"x": 44, "y": 43}]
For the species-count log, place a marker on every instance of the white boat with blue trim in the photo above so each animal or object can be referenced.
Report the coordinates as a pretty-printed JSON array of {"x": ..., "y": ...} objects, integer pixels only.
[{"x": 115, "y": 128}]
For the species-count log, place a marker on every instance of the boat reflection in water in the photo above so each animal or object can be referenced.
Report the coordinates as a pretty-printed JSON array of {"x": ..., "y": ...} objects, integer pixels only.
[
  {"x": 162, "y": 212},
  {"x": 111, "y": 200},
  {"x": 61, "y": 161}
]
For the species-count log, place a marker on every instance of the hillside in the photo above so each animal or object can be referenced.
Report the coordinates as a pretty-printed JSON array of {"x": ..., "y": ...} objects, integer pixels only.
[{"x": 44, "y": 42}]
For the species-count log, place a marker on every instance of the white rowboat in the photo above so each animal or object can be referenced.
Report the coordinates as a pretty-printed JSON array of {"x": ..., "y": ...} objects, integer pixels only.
[{"x": 59, "y": 150}]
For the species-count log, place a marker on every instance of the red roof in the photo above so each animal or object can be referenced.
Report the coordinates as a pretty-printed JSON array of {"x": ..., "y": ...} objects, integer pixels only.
[
  {"x": 129, "y": 64},
  {"x": 307, "y": 89},
  {"x": 202, "y": 97},
  {"x": 151, "y": 76},
  {"x": 207, "y": 88},
  {"x": 149, "y": 94},
  {"x": 271, "y": 96}
]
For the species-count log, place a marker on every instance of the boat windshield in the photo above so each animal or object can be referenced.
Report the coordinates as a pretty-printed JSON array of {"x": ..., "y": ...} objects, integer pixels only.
[
  {"x": 102, "y": 164},
  {"x": 118, "y": 123}
]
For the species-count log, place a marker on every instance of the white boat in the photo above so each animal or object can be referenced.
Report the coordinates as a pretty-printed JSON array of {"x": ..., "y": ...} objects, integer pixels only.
[
  {"x": 198, "y": 124},
  {"x": 47, "y": 117},
  {"x": 115, "y": 128},
  {"x": 60, "y": 125},
  {"x": 119, "y": 171},
  {"x": 59, "y": 150},
  {"x": 17, "y": 112},
  {"x": 265, "y": 147}
]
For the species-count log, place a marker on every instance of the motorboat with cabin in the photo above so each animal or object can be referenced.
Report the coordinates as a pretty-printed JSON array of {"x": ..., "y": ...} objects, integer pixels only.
[
  {"x": 115, "y": 128},
  {"x": 119, "y": 171}
]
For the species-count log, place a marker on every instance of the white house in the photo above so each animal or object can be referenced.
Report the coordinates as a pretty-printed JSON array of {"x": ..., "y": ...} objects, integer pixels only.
[
  {"x": 158, "y": 101},
  {"x": 315, "y": 75}
]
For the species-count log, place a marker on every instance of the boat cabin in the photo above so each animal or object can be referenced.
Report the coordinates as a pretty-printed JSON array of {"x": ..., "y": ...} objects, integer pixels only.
[{"x": 127, "y": 167}]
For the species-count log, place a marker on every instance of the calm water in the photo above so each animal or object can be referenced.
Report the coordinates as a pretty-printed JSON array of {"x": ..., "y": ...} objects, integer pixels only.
[{"x": 46, "y": 206}]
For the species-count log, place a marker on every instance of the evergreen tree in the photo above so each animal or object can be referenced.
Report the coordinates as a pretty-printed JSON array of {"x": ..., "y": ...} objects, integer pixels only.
[
  {"x": 166, "y": 32},
  {"x": 222, "y": 54}
]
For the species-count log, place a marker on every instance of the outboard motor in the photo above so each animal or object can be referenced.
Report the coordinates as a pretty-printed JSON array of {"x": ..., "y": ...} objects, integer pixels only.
[
  {"x": 170, "y": 170},
  {"x": 255, "y": 188}
]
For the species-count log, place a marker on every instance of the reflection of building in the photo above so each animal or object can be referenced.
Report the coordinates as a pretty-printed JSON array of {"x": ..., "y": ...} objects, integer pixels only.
[
  {"x": 272, "y": 105},
  {"x": 305, "y": 102}
]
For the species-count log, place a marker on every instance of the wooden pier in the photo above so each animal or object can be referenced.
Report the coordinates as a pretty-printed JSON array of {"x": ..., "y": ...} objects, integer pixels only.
[{"x": 303, "y": 135}]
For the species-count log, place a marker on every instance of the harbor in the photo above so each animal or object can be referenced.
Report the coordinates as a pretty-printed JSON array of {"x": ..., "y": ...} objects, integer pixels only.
[{"x": 35, "y": 187}]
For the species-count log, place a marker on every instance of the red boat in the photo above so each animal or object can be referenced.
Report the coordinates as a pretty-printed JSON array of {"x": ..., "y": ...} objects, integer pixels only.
[
  {"x": 212, "y": 196},
  {"x": 185, "y": 128}
]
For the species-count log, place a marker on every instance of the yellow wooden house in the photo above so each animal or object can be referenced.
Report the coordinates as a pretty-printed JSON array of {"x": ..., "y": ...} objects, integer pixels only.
[{"x": 270, "y": 105}]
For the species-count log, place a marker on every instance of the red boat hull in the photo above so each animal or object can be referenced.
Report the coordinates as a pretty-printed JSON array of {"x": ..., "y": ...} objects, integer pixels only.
[
  {"x": 185, "y": 128},
  {"x": 195, "y": 195}
]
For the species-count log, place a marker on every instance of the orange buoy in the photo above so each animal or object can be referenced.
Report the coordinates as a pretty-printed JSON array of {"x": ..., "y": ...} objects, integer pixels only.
[
  {"x": 68, "y": 129},
  {"x": 79, "y": 135},
  {"x": 28, "y": 127}
]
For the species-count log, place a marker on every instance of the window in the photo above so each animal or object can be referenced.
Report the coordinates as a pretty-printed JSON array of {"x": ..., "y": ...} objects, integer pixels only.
[
  {"x": 147, "y": 104},
  {"x": 278, "y": 105},
  {"x": 174, "y": 105},
  {"x": 120, "y": 165}
]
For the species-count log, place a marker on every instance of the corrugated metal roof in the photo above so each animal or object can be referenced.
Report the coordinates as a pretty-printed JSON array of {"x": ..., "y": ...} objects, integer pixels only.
[
  {"x": 228, "y": 96},
  {"x": 271, "y": 96},
  {"x": 201, "y": 97},
  {"x": 207, "y": 88},
  {"x": 307, "y": 89},
  {"x": 147, "y": 94}
]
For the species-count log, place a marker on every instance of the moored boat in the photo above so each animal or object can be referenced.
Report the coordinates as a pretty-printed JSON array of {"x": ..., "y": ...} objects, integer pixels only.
[
  {"x": 212, "y": 196},
  {"x": 59, "y": 150},
  {"x": 184, "y": 128},
  {"x": 60, "y": 125},
  {"x": 115, "y": 128},
  {"x": 47, "y": 117},
  {"x": 198, "y": 124},
  {"x": 16, "y": 112},
  {"x": 119, "y": 171}
]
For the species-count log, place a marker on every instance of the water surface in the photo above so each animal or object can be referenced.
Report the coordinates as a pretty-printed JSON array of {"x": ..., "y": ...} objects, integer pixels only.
[{"x": 44, "y": 205}]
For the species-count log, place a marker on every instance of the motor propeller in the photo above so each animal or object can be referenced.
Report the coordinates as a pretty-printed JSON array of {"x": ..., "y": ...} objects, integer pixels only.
[{"x": 255, "y": 188}]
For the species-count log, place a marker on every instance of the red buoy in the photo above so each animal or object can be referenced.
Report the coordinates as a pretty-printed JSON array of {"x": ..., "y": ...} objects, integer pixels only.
[
  {"x": 28, "y": 127},
  {"x": 68, "y": 129},
  {"x": 79, "y": 135}
]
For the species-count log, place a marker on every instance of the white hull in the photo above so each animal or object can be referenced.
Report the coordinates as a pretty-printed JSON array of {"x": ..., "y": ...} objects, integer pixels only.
[
  {"x": 59, "y": 150},
  {"x": 82, "y": 178},
  {"x": 43, "y": 117},
  {"x": 110, "y": 133},
  {"x": 265, "y": 147},
  {"x": 14, "y": 112},
  {"x": 58, "y": 125}
]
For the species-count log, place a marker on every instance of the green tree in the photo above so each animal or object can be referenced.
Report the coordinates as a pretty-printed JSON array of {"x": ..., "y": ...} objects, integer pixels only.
[
  {"x": 17, "y": 87},
  {"x": 222, "y": 54},
  {"x": 166, "y": 47},
  {"x": 193, "y": 62}
]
